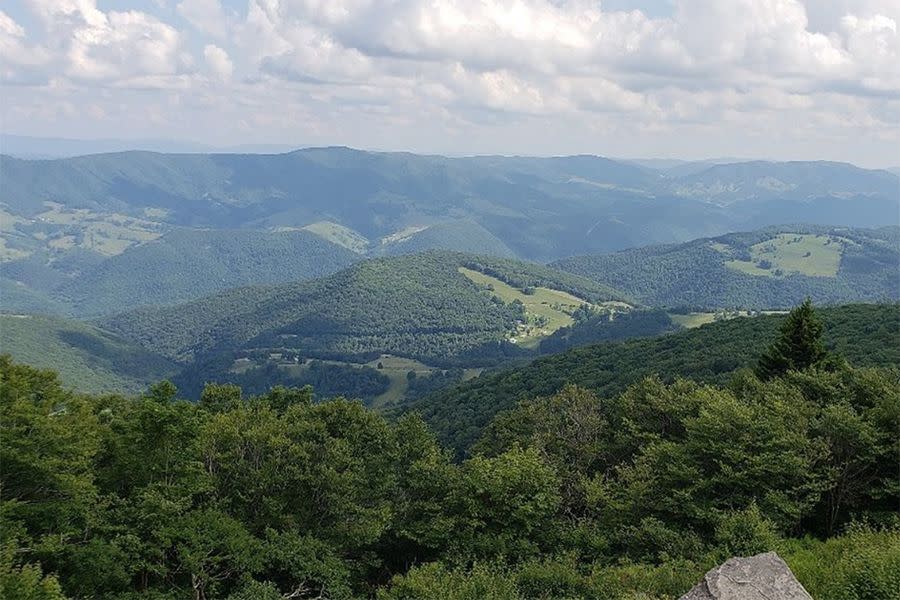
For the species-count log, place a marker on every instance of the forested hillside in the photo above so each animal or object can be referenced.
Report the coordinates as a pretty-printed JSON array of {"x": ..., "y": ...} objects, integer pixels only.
[
  {"x": 536, "y": 208},
  {"x": 86, "y": 358},
  {"x": 181, "y": 265},
  {"x": 864, "y": 334},
  {"x": 576, "y": 494},
  {"x": 419, "y": 306},
  {"x": 774, "y": 267},
  {"x": 188, "y": 264}
]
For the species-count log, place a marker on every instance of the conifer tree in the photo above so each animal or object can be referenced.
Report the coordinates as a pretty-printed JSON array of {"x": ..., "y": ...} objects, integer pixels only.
[{"x": 798, "y": 347}]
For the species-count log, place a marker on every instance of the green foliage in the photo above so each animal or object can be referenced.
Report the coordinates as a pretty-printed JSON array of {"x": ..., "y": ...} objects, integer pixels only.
[
  {"x": 435, "y": 582},
  {"x": 575, "y": 494},
  {"x": 863, "y": 334},
  {"x": 86, "y": 357},
  {"x": 862, "y": 564},
  {"x": 799, "y": 345},
  {"x": 187, "y": 264},
  {"x": 25, "y": 582},
  {"x": 745, "y": 533},
  {"x": 596, "y": 328}
]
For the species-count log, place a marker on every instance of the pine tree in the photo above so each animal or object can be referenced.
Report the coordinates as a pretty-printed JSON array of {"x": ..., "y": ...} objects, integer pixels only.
[{"x": 798, "y": 347}]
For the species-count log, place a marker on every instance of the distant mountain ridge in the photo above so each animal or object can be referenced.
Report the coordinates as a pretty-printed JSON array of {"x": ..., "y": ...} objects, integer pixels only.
[{"x": 537, "y": 208}]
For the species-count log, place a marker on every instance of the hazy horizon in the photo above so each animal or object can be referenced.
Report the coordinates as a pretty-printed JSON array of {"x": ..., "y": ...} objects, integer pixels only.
[
  {"x": 670, "y": 79},
  {"x": 86, "y": 147}
]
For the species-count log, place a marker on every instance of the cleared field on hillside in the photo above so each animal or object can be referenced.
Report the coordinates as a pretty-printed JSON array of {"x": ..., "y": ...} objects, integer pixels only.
[
  {"x": 395, "y": 368},
  {"x": 813, "y": 255},
  {"x": 547, "y": 310},
  {"x": 59, "y": 229},
  {"x": 696, "y": 319},
  {"x": 338, "y": 234},
  {"x": 691, "y": 320}
]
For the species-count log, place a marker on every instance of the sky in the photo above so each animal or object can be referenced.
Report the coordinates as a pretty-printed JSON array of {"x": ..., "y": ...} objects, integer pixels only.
[{"x": 777, "y": 79}]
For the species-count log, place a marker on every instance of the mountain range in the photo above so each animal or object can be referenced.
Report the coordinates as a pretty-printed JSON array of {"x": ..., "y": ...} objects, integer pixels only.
[
  {"x": 534, "y": 208},
  {"x": 390, "y": 275}
]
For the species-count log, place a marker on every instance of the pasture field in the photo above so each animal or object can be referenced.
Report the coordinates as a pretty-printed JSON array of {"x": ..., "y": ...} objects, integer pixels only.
[
  {"x": 59, "y": 229},
  {"x": 813, "y": 255},
  {"x": 546, "y": 310},
  {"x": 393, "y": 367},
  {"x": 396, "y": 369}
]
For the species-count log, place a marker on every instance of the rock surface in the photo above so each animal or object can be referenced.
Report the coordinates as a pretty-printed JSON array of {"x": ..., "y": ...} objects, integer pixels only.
[{"x": 760, "y": 577}]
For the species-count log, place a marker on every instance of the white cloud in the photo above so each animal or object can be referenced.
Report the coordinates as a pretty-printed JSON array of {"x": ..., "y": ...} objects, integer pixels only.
[
  {"x": 94, "y": 45},
  {"x": 206, "y": 16},
  {"x": 467, "y": 69},
  {"x": 218, "y": 61},
  {"x": 19, "y": 60}
]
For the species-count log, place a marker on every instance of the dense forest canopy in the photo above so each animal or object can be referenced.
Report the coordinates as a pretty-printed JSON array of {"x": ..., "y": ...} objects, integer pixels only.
[
  {"x": 419, "y": 306},
  {"x": 864, "y": 334},
  {"x": 573, "y": 494}
]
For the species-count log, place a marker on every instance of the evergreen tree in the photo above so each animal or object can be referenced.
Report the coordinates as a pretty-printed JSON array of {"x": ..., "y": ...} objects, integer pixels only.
[{"x": 798, "y": 347}]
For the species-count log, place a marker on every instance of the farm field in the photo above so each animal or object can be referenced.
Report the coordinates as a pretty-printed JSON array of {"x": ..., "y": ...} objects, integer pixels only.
[
  {"x": 813, "y": 255},
  {"x": 59, "y": 229}
]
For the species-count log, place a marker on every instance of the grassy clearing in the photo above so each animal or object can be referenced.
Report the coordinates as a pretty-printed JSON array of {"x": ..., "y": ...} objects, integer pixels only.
[
  {"x": 402, "y": 235},
  {"x": 547, "y": 310},
  {"x": 395, "y": 368},
  {"x": 695, "y": 319},
  {"x": 813, "y": 255},
  {"x": 338, "y": 234}
]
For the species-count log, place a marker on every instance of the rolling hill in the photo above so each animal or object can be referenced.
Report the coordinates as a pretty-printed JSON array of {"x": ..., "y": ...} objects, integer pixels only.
[
  {"x": 866, "y": 335},
  {"x": 181, "y": 265},
  {"x": 775, "y": 267},
  {"x": 419, "y": 306},
  {"x": 536, "y": 208},
  {"x": 87, "y": 358},
  {"x": 187, "y": 263}
]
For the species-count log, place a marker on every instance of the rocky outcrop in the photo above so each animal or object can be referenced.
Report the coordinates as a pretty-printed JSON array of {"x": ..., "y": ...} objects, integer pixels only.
[{"x": 760, "y": 577}]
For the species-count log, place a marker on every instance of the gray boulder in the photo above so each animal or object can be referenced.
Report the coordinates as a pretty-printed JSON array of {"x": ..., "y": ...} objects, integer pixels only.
[{"x": 760, "y": 577}]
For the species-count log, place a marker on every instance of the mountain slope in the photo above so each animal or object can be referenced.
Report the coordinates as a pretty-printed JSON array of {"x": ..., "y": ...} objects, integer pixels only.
[
  {"x": 539, "y": 208},
  {"x": 187, "y": 264},
  {"x": 87, "y": 358},
  {"x": 771, "y": 268},
  {"x": 419, "y": 306},
  {"x": 863, "y": 334}
]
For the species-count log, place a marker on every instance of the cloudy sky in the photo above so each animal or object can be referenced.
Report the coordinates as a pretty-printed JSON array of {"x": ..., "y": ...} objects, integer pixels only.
[{"x": 798, "y": 79}]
